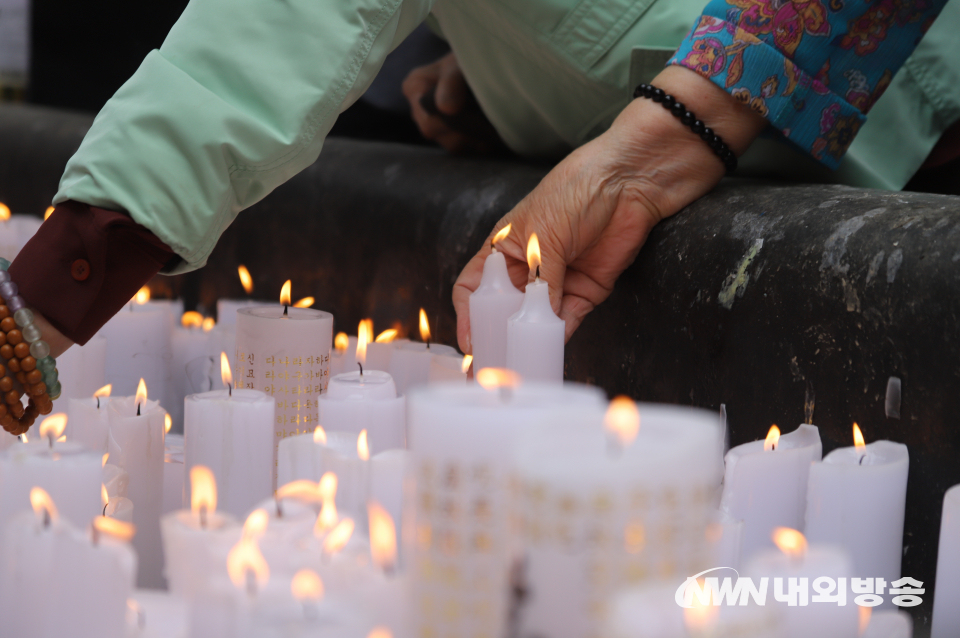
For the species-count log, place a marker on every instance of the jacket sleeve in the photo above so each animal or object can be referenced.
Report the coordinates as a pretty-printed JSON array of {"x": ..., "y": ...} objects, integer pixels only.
[
  {"x": 237, "y": 100},
  {"x": 813, "y": 68}
]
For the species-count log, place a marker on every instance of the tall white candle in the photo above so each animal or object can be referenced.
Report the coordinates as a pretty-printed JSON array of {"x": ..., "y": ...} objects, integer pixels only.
[
  {"x": 138, "y": 343},
  {"x": 535, "y": 334},
  {"x": 856, "y": 500},
  {"x": 87, "y": 421},
  {"x": 174, "y": 474},
  {"x": 765, "y": 484},
  {"x": 461, "y": 438},
  {"x": 232, "y": 433},
  {"x": 354, "y": 402},
  {"x": 493, "y": 302},
  {"x": 285, "y": 353},
  {"x": 82, "y": 371},
  {"x": 946, "y": 600},
  {"x": 137, "y": 427}
]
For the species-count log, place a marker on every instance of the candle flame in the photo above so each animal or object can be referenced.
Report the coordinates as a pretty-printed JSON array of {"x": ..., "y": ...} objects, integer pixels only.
[
  {"x": 48, "y": 212},
  {"x": 328, "y": 486},
  {"x": 467, "y": 362},
  {"x": 4, "y": 212},
  {"x": 339, "y": 536},
  {"x": 865, "y": 614},
  {"x": 104, "y": 391},
  {"x": 23, "y": 438},
  {"x": 203, "y": 491},
  {"x": 42, "y": 504},
  {"x": 773, "y": 437},
  {"x": 533, "y": 251},
  {"x": 103, "y": 461},
  {"x": 62, "y": 439},
  {"x": 386, "y": 336},
  {"x": 104, "y": 495},
  {"x": 191, "y": 319},
  {"x": 424, "y": 327},
  {"x": 306, "y": 302},
  {"x": 319, "y": 435},
  {"x": 341, "y": 342},
  {"x": 700, "y": 617},
  {"x": 858, "y": 441},
  {"x": 790, "y": 541},
  {"x": 167, "y": 423},
  {"x": 364, "y": 336},
  {"x": 256, "y": 524},
  {"x": 142, "y": 296},
  {"x": 245, "y": 279},
  {"x": 245, "y": 558},
  {"x": 623, "y": 420},
  {"x": 495, "y": 378},
  {"x": 114, "y": 528},
  {"x": 209, "y": 324},
  {"x": 53, "y": 426},
  {"x": 501, "y": 235},
  {"x": 306, "y": 586},
  {"x": 380, "y": 632},
  {"x": 383, "y": 536},
  {"x": 141, "y": 392},
  {"x": 225, "y": 374},
  {"x": 328, "y": 511},
  {"x": 285, "y": 293},
  {"x": 301, "y": 489},
  {"x": 363, "y": 447}
]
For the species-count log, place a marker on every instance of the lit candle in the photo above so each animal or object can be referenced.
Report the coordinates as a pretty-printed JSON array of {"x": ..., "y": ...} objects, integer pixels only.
[
  {"x": 285, "y": 352},
  {"x": 380, "y": 352},
  {"x": 798, "y": 577},
  {"x": 87, "y": 419},
  {"x": 344, "y": 356},
  {"x": 946, "y": 601},
  {"x": 535, "y": 334},
  {"x": 765, "y": 484},
  {"x": 628, "y": 495},
  {"x": 137, "y": 427},
  {"x": 856, "y": 500},
  {"x": 227, "y": 308},
  {"x": 193, "y": 340},
  {"x": 15, "y": 232},
  {"x": 410, "y": 361},
  {"x": 188, "y": 534},
  {"x": 493, "y": 302},
  {"x": 82, "y": 369},
  {"x": 66, "y": 470}
]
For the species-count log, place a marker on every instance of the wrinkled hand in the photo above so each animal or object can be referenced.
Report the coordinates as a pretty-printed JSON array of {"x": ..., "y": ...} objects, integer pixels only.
[{"x": 594, "y": 210}]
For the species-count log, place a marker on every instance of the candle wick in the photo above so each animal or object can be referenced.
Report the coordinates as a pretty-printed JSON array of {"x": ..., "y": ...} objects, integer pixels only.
[
  {"x": 104, "y": 513},
  {"x": 46, "y": 518},
  {"x": 773, "y": 447},
  {"x": 861, "y": 460},
  {"x": 361, "y": 370},
  {"x": 538, "y": 272},
  {"x": 138, "y": 408},
  {"x": 279, "y": 509},
  {"x": 230, "y": 389},
  {"x": 50, "y": 438},
  {"x": 251, "y": 583},
  {"x": 98, "y": 402},
  {"x": 284, "y": 310},
  {"x": 203, "y": 516}
]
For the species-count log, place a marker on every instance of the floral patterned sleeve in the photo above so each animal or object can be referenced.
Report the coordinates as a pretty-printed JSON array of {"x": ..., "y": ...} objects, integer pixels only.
[{"x": 812, "y": 68}]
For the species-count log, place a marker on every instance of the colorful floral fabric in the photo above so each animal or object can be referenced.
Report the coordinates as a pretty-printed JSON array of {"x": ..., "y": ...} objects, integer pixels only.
[{"x": 813, "y": 68}]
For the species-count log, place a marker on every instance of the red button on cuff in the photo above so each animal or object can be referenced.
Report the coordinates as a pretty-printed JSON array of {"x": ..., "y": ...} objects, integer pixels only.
[{"x": 80, "y": 270}]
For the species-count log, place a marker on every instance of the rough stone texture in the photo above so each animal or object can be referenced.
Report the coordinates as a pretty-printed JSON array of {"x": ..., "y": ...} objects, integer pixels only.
[{"x": 757, "y": 296}]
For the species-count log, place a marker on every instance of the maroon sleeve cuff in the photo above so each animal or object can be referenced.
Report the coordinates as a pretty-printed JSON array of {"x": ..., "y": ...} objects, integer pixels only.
[{"x": 84, "y": 264}]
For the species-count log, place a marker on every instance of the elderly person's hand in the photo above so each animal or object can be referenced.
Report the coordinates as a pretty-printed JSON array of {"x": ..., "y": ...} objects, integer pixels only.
[{"x": 594, "y": 210}]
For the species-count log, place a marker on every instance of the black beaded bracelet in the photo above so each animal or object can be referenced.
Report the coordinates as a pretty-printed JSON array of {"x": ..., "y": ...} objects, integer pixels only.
[{"x": 688, "y": 119}]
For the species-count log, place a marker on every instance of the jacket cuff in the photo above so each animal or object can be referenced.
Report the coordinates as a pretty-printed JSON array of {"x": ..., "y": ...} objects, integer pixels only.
[
  {"x": 801, "y": 107},
  {"x": 84, "y": 264}
]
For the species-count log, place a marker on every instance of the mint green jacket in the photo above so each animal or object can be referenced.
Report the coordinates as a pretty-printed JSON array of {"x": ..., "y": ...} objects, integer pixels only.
[{"x": 242, "y": 93}]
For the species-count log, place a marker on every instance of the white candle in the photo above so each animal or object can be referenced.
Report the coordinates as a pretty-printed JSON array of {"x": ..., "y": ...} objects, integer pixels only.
[
  {"x": 138, "y": 345},
  {"x": 344, "y": 355},
  {"x": 285, "y": 352},
  {"x": 450, "y": 367},
  {"x": 87, "y": 421},
  {"x": 461, "y": 438},
  {"x": 946, "y": 601},
  {"x": 410, "y": 363},
  {"x": 802, "y": 575},
  {"x": 137, "y": 426},
  {"x": 380, "y": 352},
  {"x": 596, "y": 519},
  {"x": 227, "y": 309},
  {"x": 535, "y": 334},
  {"x": 233, "y": 435},
  {"x": 354, "y": 402},
  {"x": 174, "y": 474},
  {"x": 856, "y": 500},
  {"x": 764, "y": 485},
  {"x": 82, "y": 371},
  {"x": 724, "y": 535},
  {"x": 493, "y": 302},
  {"x": 188, "y": 344}
]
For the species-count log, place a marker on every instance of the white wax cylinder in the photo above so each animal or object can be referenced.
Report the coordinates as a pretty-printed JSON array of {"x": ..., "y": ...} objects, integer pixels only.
[
  {"x": 116, "y": 480},
  {"x": 380, "y": 355},
  {"x": 174, "y": 474},
  {"x": 767, "y": 489},
  {"x": 631, "y": 515},
  {"x": 355, "y": 402},
  {"x": 724, "y": 535},
  {"x": 410, "y": 363},
  {"x": 141, "y": 451},
  {"x": 82, "y": 372},
  {"x": 227, "y": 309},
  {"x": 87, "y": 422},
  {"x": 188, "y": 547},
  {"x": 69, "y": 473},
  {"x": 447, "y": 368},
  {"x": 946, "y": 600},
  {"x": 287, "y": 356},
  {"x": 15, "y": 233},
  {"x": 856, "y": 500},
  {"x": 807, "y": 617},
  {"x": 233, "y": 436},
  {"x": 138, "y": 346},
  {"x": 300, "y": 457},
  {"x": 187, "y": 345},
  {"x": 891, "y": 624},
  {"x": 387, "y": 470},
  {"x": 344, "y": 360},
  {"x": 535, "y": 337},
  {"x": 461, "y": 437},
  {"x": 493, "y": 302}
]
